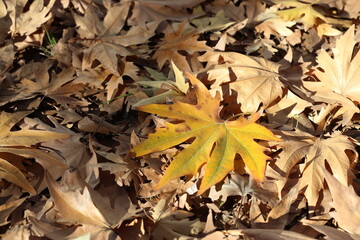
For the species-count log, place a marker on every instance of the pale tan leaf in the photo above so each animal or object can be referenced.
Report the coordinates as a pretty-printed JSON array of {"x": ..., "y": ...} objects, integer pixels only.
[
  {"x": 27, "y": 19},
  {"x": 290, "y": 106},
  {"x": 346, "y": 203},
  {"x": 271, "y": 24},
  {"x": 75, "y": 206},
  {"x": 316, "y": 151},
  {"x": 327, "y": 30},
  {"x": 340, "y": 73},
  {"x": 257, "y": 80}
]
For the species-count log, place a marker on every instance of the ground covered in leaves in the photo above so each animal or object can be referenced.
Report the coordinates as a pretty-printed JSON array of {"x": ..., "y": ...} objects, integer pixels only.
[{"x": 192, "y": 119}]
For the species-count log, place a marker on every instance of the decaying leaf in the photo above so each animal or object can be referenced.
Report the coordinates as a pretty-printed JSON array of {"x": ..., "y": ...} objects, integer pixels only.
[{"x": 216, "y": 141}]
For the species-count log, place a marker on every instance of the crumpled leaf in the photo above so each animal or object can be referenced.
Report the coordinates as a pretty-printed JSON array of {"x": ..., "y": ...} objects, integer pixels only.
[
  {"x": 176, "y": 41},
  {"x": 216, "y": 141}
]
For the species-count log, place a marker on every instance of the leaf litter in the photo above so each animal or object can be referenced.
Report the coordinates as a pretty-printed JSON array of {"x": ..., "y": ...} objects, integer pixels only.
[{"x": 179, "y": 119}]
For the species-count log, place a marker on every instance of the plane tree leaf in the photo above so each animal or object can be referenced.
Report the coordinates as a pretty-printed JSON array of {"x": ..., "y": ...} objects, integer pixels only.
[
  {"x": 317, "y": 152},
  {"x": 23, "y": 137},
  {"x": 346, "y": 202},
  {"x": 216, "y": 141},
  {"x": 27, "y": 19},
  {"x": 340, "y": 73},
  {"x": 257, "y": 79}
]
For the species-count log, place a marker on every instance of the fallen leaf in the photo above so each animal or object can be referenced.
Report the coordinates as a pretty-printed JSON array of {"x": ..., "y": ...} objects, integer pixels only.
[
  {"x": 333, "y": 233},
  {"x": 258, "y": 234},
  {"x": 271, "y": 24},
  {"x": 304, "y": 13},
  {"x": 257, "y": 79},
  {"x": 339, "y": 74},
  {"x": 346, "y": 203},
  {"x": 315, "y": 151},
  {"x": 216, "y": 141},
  {"x": 173, "y": 89},
  {"x": 176, "y": 41},
  {"x": 170, "y": 225},
  {"x": 27, "y": 19},
  {"x": 23, "y": 137},
  {"x": 12, "y": 174}
]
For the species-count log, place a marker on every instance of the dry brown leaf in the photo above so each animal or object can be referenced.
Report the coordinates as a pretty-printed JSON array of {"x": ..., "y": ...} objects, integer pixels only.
[
  {"x": 104, "y": 41},
  {"x": 75, "y": 206},
  {"x": 346, "y": 203},
  {"x": 158, "y": 10},
  {"x": 258, "y": 234},
  {"x": 340, "y": 73},
  {"x": 176, "y": 41},
  {"x": 78, "y": 203},
  {"x": 316, "y": 151},
  {"x": 12, "y": 174},
  {"x": 333, "y": 233},
  {"x": 7, "y": 208},
  {"x": 257, "y": 80},
  {"x": 170, "y": 225},
  {"x": 23, "y": 137},
  {"x": 27, "y": 19}
]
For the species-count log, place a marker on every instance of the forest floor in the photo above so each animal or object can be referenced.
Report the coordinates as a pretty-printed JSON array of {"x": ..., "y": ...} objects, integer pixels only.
[{"x": 192, "y": 119}]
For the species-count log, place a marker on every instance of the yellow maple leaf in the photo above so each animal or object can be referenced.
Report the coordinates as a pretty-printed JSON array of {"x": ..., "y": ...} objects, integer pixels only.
[{"x": 216, "y": 141}]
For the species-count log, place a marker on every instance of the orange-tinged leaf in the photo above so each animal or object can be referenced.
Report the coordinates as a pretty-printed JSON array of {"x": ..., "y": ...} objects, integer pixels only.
[{"x": 216, "y": 141}]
